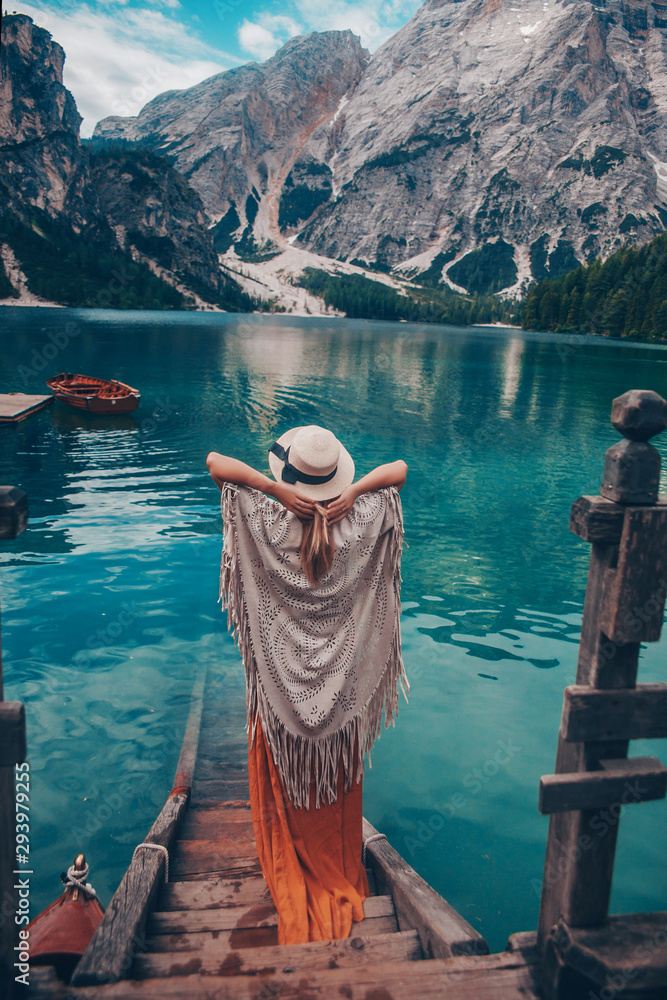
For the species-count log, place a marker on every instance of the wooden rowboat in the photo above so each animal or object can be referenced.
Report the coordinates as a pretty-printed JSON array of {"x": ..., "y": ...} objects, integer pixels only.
[{"x": 96, "y": 395}]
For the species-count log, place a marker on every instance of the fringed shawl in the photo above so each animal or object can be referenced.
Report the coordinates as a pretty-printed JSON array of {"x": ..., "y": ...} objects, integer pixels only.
[{"x": 320, "y": 662}]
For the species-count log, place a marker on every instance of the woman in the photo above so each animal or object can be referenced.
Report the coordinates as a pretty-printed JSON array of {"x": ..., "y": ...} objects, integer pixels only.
[{"x": 311, "y": 585}]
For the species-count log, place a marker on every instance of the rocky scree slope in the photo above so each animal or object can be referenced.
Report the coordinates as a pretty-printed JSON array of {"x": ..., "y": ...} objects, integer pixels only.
[
  {"x": 116, "y": 200},
  {"x": 532, "y": 133}
]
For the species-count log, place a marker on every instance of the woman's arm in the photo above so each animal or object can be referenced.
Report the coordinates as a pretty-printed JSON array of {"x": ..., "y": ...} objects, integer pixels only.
[
  {"x": 224, "y": 469},
  {"x": 391, "y": 474}
]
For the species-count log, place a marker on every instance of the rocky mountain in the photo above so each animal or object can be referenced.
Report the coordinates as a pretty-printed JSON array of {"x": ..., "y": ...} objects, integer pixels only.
[
  {"x": 103, "y": 206},
  {"x": 486, "y": 143},
  {"x": 542, "y": 125},
  {"x": 43, "y": 164},
  {"x": 237, "y": 135}
]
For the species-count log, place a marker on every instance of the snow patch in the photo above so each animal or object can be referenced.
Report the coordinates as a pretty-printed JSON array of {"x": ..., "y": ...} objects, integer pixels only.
[
  {"x": 528, "y": 29},
  {"x": 661, "y": 177},
  {"x": 341, "y": 104}
]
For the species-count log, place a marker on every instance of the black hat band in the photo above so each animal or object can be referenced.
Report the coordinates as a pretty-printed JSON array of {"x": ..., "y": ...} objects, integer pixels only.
[{"x": 293, "y": 475}]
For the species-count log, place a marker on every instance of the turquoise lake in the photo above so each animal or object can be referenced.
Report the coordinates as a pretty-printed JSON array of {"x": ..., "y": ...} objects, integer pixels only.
[{"x": 109, "y": 599}]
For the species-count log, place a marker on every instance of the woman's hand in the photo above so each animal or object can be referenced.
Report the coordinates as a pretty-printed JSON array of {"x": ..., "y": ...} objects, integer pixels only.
[
  {"x": 338, "y": 508},
  {"x": 289, "y": 498}
]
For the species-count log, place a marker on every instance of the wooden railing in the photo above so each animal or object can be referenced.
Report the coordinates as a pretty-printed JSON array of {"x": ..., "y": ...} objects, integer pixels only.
[
  {"x": 120, "y": 936},
  {"x": 595, "y": 779},
  {"x": 13, "y": 519}
]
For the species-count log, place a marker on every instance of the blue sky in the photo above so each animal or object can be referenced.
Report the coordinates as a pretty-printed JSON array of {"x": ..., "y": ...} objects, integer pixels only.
[{"x": 122, "y": 53}]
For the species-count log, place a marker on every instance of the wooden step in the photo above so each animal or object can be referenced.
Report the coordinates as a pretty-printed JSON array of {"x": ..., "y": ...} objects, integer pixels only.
[
  {"x": 485, "y": 977},
  {"x": 209, "y": 852},
  {"x": 229, "y": 868},
  {"x": 221, "y": 770},
  {"x": 208, "y": 894},
  {"x": 263, "y": 914},
  {"x": 222, "y": 764},
  {"x": 254, "y": 936},
  {"x": 211, "y": 894},
  {"x": 208, "y": 824},
  {"x": 214, "y": 957},
  {"x": 222, "y": 790}
]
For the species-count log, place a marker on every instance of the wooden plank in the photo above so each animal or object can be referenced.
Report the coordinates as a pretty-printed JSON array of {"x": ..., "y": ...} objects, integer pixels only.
[
  {"x": 442, "y": 931},
  {"x": 636, "y": 602},
  {"x": 602, "y": 663},
  {"x": 121, "y": 933},
  {"x": 15, "y": 406},
  {"x": 259, "y": 934},
  {"x": 221, "y": 812},
  {"x": 627, "y": 714},
  {"x": 187, "y": 759},
  {"x": 519, "y": 958},
  {"x": 13, "y": 512},
  {"x": 219, "y": 959},
  {"x": 179, "y": 927},
  {"x": 628, "y": 951},
  {"x": 209, "y": 852},
  {"x": 231, "y": 804},
  {"x": 620, "y": 783},
  {"x": 230, "y": 868},
  {"x": 524, "y": 942},
  {"x": 12, "y": 733},
  {"x": 262, "y": 914},
  {"x": 224, "y": 769},
  {"x": 596, "y": 519},
  {"x": 44, "y": 984},
  {"x": 202, "y": 827},
  {"x": 204, "y": 895},
  {"x": 579, "y": 858},
  {"x": 220, "y": 791},
  {"x": 366, "y": 981}
]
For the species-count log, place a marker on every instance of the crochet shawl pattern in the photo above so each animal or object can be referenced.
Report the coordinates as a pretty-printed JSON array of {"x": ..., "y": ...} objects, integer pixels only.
[{"x": 320, "y": 662}]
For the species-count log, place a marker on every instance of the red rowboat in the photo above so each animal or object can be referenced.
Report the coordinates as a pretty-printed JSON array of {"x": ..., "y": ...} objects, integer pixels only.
[
  {"x": 96, "y": 395},
  {"x": 61, "y": 933}
]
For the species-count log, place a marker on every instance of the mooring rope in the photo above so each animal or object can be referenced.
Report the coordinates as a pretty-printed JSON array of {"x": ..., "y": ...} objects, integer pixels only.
[
  {"x": 376, "y": 836},
  {"x": 156, "y": 847},
  {"x": 76, "y": 877}
]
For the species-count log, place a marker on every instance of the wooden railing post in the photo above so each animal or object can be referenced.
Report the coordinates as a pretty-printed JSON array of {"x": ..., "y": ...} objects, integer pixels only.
[
  {"x": 624, "y": 606},
  {"x": 13, "y": 519}
]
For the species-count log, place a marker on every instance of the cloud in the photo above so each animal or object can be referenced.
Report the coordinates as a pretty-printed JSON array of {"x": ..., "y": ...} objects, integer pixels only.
[
  {"x": 374, "y": 21},
  {"x": 257, "y": 40},
  {"x": 264, "y": 37},
  {"x": 118, "y": 60}
]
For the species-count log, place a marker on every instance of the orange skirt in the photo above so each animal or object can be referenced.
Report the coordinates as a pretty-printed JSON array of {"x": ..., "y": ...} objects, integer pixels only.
[{"x": 311, "y": 858}]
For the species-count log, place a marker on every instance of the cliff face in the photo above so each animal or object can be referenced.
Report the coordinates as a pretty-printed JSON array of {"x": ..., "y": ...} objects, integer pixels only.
[
  {"x": 152, "y": 209},
  {"x": 42, "y": 161},
  {"x": 120, "y": 200},
  {"x": 536, "y": 133},
  {"x": 238, "y": 134}
]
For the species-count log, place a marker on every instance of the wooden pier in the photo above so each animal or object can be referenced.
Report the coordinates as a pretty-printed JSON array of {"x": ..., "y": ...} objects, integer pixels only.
[
  {"x": 15, "y": 406},
  {"x": 211, "y": 930},
  {"x": 193, "y": 918}
]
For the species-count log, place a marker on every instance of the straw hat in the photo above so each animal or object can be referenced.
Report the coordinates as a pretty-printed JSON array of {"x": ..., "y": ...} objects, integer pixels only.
[{"x": 313, "y": 460}]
